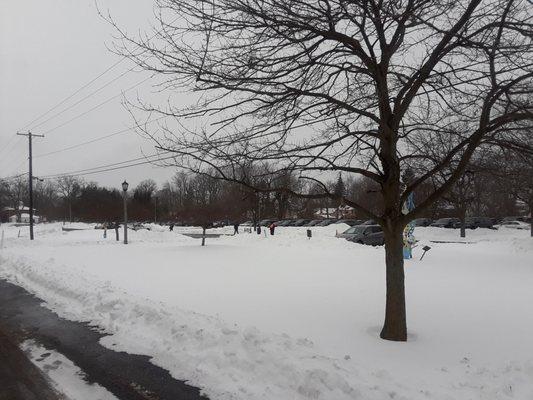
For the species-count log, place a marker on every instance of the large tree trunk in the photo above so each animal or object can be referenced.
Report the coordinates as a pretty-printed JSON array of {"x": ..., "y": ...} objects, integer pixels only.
[
  {"x": 462, "y": 217},
  {"x": 531, "y": 220},
  {"x": 395, "y": 326}
]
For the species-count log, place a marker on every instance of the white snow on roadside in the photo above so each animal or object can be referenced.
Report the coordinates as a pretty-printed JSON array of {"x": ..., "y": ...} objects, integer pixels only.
[
  {"x": 65, "y": 376},
  {"x": 216, "y": 315}
]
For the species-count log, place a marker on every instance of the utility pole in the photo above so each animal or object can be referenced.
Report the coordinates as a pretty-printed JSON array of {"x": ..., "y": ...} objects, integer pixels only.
[{"x": 30, "y": 172}]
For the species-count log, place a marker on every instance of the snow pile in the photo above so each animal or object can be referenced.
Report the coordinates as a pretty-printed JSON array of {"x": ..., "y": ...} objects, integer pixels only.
[
  {"x": 225, "y": 361},
  {"x": 215, "y": 315}
]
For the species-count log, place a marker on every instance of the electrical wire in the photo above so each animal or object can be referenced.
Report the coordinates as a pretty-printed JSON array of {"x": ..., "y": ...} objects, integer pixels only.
[
  {"x": 114, "y": 165},
  {"x": 129, "y": 129},
  {"x": 8, "y": 178},
  {"x": 7, "y": 144},
  {"x": 75, "y": 93},
  {"x": 95, "y": 107},
  {"x": 111, "y": 67},
  {"x": 123, "y": 167},
  {"x": 13, "y": 154},
  {"x": 13, "y": 145},
  {"x": 82, "y": 99}
]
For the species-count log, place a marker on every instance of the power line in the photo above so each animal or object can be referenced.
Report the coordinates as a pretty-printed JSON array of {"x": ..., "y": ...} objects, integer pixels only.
[
  {"x": 82, "y": 99},
  {"x": 112, "y": 66},
  {"x": 114, "y": 166},
  {"x": 14, "y": 153},
  {"x": 20, "y": 165},
  {"x": 75, "y": 93},
  {"x": 8, "y": 178},
  {"x": 125, "y": 166},
  {"x": 13, "y": 144},
  {"x": 7, "y": 144},
  {"x": 97, "y": 139},
  {"x": 96, "y": 107}
]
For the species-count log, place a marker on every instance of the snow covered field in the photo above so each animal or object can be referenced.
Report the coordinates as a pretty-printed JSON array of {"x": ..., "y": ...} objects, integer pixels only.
[{"x": 284, "y": 317}]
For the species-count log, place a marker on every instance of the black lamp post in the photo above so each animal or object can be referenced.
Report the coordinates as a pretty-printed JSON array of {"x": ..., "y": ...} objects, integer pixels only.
[{"x": 124, "y": 190}]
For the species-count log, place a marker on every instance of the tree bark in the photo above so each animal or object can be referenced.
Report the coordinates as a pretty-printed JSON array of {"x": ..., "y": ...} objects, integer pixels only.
[
  {"x": 395, "y": 326},
  {"x": 531, "y": 220},
  {"x": 462, "y": 216}
]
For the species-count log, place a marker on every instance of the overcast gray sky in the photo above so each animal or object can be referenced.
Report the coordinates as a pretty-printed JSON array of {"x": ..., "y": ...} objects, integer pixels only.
[{"x": 49, "y": 49}]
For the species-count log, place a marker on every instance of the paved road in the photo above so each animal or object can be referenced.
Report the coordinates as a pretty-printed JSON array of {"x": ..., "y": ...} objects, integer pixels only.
[
  {"x": 127, "y": 376},
  {"x": 19, "y": 378}
]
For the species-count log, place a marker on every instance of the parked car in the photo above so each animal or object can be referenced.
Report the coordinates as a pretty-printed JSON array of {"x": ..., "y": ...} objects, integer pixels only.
[
  {"x": 369, "y": 222},
  {"x": 326, "y": 222},
  {"x": 445, "y": 222},
  {"x": 301, "y": 222},
  {"x": 422, "y": 222},
  {"x": 266, "y": 222},
  {"x": 475, "y": 222},
  {"x": 284, "y": 222},
  {"x": 138, "y": 226},
  {"x": 509, "y": 219},
  {"x": 367, "y": 234},
  {"x": 351, "y": 222},
  {"x": 314, "y": 222},
  {"x": 513, "y": 225}
]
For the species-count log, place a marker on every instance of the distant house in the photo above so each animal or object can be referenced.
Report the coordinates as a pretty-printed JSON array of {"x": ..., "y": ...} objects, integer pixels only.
[
  {"x": 24, "y": 218},
  {"x": 9, "y": 214}
]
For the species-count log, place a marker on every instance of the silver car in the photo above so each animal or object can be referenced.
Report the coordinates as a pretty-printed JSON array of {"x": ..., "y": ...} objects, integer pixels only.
[{"x": 364, "y": 234}]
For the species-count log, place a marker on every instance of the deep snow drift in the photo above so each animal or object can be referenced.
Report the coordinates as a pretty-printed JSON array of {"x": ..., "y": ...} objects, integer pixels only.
[{"x": 284, "y": 317}]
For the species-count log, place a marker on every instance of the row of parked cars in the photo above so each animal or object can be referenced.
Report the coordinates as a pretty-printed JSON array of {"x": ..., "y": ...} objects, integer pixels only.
[
  {"x": 470, "y": 222},
  {"x": 476, "y": 222},
  {"x": 310, "y": 222},
  {"x": 370, "y": 233}
]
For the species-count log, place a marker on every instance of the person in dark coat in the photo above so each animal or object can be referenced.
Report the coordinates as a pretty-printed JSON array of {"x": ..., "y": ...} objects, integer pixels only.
[
  {"x": 258, "y": 229},
  {"x": 171, "y": 227},
  {"x": 236, "y": 228},
  {"x": 272, "y": 228}
]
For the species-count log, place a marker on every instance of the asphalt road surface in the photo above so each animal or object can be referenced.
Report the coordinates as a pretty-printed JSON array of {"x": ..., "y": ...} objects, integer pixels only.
[{"x": 127, "y": 376}]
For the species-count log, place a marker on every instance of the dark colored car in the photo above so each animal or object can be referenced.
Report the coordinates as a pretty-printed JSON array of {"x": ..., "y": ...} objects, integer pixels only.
[
  {"x": 266, "y": 222},
  {"x": 326, "y": 222},
  {"x": 367, "y": 234},
  {"x": 314, "y": 222},
  {"x": 284, "y": 222},
  {"x": 422, "y": 222},
  {"x": 445, "y": 223},
  {"x": 476, "y": 222},
  {"x": 369, "y": 222},
  {"x": 351, "y": 222},
  {"x": 301, "y": 222}
]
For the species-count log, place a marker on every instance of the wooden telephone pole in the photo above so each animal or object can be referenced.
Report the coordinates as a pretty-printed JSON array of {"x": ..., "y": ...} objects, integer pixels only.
[{"x": 30, "y": 180}]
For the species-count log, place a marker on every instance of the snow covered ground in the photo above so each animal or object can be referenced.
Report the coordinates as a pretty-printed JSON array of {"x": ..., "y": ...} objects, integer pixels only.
[{"x": 284, "y": 317}]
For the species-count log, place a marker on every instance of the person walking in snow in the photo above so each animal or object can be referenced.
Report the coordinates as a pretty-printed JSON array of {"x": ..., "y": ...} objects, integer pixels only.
[
  {"x": 171, "y": 227},
  {"x": 258, "y": 229},
  {"x": 236, "y": 228},
  {"x": 272, "y": 228}
]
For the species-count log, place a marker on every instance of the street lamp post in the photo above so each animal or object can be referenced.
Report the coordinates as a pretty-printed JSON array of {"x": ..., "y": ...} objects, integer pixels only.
[{"x": 124, "y": 190}]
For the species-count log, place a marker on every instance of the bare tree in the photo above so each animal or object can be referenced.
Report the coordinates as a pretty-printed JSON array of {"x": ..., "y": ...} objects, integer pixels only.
[
  {"x": 144, "y": 191},
  {"x": 68, "y": 187},
  {"x": 361, "y": 87}
]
